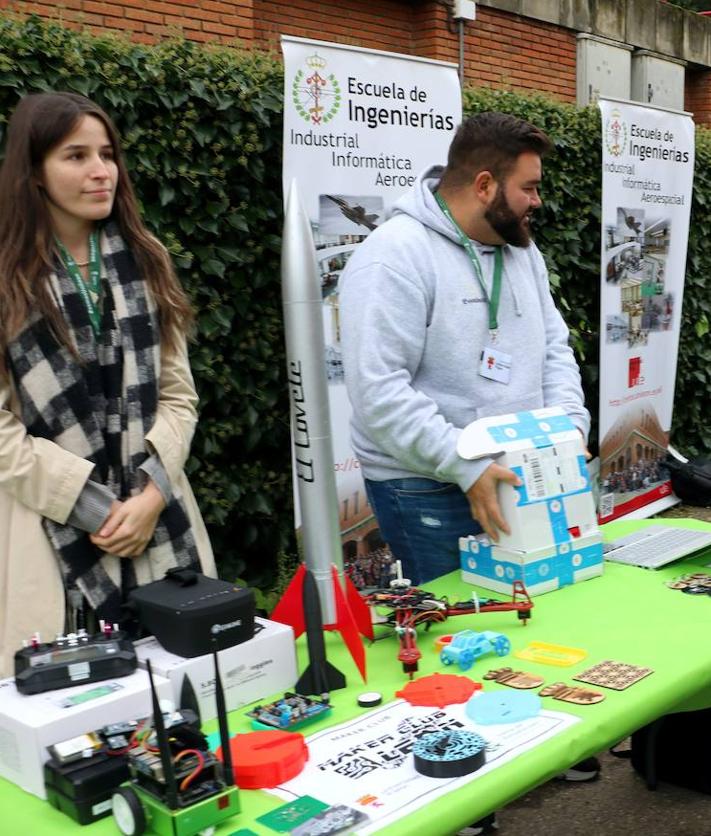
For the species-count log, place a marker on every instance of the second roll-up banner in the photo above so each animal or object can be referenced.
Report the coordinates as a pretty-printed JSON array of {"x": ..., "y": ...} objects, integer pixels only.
[
  {"x": 359, "y": 126},
  {"x": 647, "y": 177}
]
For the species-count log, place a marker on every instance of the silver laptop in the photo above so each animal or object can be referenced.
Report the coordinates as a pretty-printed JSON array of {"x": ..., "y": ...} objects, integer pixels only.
[{"x": 656, "y": 545}]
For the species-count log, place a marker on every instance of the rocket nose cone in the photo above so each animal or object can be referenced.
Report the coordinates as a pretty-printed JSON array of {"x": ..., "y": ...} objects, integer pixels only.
[
  {"x": 296, "y": 220},
  {"x": 292, "y": 193},
  {"x": 299, "y": 271}
]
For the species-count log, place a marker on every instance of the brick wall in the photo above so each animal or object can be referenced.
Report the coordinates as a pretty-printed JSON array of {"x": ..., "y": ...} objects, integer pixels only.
[
  {"x": 697, "y": 95},
  {"x": 501, "y": 50},
  {"x": 149, "y": 20},
  {"x": 523, "y": 53},
  {"x": 380, "y": 25}
]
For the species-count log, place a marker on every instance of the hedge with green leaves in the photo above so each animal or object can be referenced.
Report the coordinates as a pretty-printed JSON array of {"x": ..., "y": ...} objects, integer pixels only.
[{"x": 202, "y": 129}]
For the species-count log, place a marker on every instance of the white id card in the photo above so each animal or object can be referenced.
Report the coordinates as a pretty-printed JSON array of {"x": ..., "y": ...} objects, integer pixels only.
[{"x": 495, "y": 365}]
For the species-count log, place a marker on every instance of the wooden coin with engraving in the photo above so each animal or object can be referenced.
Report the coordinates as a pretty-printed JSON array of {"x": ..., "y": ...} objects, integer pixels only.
[{"x": 515, "y": 679}]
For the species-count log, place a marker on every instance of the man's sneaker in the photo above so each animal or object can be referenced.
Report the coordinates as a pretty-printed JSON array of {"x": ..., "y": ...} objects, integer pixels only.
[
  {"x": 586, "y": 770},
  {"x": 486, "y": 825}
]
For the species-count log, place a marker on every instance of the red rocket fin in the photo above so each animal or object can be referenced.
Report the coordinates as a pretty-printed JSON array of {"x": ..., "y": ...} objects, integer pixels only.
[
  {"x": 352, "y": 614},
  {"x": 360, "y": 610},
  {"x": 347, "y": 626},
  {"x": 290, "y": 609}
]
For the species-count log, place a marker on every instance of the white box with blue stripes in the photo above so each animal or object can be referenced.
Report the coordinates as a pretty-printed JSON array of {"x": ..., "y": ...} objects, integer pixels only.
[{"x": 554, "y": 540}]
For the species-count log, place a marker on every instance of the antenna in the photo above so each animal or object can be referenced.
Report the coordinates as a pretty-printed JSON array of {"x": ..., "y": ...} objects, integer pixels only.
[
  {"x": 222, "y": 722},
  {"x": 164, "y": 746}
]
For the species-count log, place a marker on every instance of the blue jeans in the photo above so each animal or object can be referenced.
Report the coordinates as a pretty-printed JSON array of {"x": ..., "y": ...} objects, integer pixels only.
[{"x": 422, "y": 520}]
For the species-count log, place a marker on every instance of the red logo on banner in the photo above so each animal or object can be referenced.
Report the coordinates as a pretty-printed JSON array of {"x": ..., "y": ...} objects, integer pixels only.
[{"x": 635, "y": 372}]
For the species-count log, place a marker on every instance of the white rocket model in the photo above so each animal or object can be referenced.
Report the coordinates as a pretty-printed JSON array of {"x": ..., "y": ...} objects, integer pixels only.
[
  {"x": 308, "y": 395},
  {"x": 341, "y": 607}
]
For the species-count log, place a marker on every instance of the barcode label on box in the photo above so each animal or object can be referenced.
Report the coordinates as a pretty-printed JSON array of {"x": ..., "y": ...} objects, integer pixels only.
[{"x": 546, "y": 474}]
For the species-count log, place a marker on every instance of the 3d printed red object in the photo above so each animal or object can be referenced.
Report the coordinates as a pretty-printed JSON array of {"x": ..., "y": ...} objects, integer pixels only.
[
  {"x": 439, "y": 689},
  {"x": 266, "y": 758},
  {"x": 352, "y": 614}
]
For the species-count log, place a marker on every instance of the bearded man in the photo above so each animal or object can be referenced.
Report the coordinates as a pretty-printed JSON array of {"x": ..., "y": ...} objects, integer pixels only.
[{"x": 446, "y": 317}]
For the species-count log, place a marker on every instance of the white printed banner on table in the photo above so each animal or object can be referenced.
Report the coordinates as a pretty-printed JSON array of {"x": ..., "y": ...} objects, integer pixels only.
[
  {"x": 359, "y": 126},
  {"x": 368, "y": 765},
  {"x": 647, "y": 178}
]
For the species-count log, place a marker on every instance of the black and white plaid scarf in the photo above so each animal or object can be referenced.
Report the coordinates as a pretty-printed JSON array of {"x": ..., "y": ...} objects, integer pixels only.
[{"x": 101, "y": 409}]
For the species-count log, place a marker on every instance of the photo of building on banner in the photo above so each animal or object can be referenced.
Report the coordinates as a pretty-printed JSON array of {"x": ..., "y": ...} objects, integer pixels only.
[
  {"x": 647, "y": 177},
  {"x": 359, "y": 126}
]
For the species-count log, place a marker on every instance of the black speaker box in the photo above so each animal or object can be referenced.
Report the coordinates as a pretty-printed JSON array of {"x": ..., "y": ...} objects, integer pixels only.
[
  {"x": 191, "y": 614},
  {"x": 83, "y": 789}
]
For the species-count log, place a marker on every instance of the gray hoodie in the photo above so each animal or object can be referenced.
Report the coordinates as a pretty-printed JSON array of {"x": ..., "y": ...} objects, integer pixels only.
[{"x": 413, "y": 325}]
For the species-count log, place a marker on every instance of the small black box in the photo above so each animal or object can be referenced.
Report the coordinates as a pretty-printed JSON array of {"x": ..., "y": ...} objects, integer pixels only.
[
  {"x": 186, "y": 611},
  {"x": 83, "y": 789}
]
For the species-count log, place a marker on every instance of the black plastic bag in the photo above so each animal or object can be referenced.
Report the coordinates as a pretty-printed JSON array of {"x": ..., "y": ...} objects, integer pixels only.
[
  {"x": 691, "y": 481},
  {"x": 674, "y": 749}
]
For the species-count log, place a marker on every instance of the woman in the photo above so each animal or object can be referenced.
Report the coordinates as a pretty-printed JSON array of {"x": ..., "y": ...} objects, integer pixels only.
[{"x": 97, "y": 403}]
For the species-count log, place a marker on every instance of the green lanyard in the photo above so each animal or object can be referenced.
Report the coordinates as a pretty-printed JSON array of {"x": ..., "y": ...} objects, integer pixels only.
[
  {"x": 88, "y": 290},
  {"x": 493, "y": 300}
]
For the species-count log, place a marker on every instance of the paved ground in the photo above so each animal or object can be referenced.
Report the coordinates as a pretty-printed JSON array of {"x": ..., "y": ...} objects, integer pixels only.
[{"x": 618, "y": 802}]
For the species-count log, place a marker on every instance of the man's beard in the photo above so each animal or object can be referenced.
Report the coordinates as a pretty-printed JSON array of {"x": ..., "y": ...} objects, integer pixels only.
[{"x": 512, "y": 228}]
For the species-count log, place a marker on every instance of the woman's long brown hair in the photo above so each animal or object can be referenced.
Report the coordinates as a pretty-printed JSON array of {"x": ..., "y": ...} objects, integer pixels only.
[{"x": 39, "y": 123}]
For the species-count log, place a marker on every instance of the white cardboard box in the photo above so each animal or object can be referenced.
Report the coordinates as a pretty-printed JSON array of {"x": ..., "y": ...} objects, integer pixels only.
[
  {"x": 28, "y": 724},
  {"x": 540, "y": 570},
  {"x": 264, "y": 665},
  {"x": 554, "y": 538}
]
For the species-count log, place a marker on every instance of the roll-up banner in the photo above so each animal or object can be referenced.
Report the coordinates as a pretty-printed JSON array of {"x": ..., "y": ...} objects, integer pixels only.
[
  {"x": 647, "y": 177},
  {"x": 359, "y": 126}
]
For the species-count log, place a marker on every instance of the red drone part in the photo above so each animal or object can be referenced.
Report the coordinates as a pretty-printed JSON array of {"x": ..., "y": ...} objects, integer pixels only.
[{"x": 411, "y": 606}]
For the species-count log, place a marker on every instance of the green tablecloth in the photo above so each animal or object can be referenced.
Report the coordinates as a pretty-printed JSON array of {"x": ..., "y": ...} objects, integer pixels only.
[{"x": 628, "y": 614}]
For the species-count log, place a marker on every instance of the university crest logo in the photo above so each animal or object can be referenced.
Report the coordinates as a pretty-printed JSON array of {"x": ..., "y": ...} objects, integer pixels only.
[
  {"x": 615, "y": 134},
  {"x": 316, "y": 95}
]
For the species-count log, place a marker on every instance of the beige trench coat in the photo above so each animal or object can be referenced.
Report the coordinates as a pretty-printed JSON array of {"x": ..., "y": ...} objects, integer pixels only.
[{"x": 38, "y": 478}]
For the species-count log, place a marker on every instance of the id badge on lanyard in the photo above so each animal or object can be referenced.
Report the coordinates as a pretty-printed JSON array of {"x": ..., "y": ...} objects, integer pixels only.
[{"x": 495, "y": 364}]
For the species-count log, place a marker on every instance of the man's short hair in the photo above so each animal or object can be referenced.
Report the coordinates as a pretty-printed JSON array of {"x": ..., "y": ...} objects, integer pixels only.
[{"x": 491, "y": 142}]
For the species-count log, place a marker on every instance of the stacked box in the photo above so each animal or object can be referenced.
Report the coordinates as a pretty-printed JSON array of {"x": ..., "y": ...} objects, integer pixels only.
[
  {"x": 83, "y": 790},
  {"x": 554, "y": 539},
  {"x": 264, "y": 665},
  {"x": 29, "y": 724},
  {"x": 540, "y": 570}
]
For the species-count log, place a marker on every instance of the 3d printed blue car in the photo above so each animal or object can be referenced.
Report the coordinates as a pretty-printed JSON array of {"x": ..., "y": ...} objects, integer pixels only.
[{"x": 468, "y": 645}]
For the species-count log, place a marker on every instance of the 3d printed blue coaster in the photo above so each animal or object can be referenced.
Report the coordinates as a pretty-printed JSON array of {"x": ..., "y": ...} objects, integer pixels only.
[
  {"x": 449, "y": 754},
  {"x": 502, "y": 707}
]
